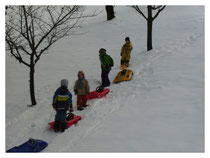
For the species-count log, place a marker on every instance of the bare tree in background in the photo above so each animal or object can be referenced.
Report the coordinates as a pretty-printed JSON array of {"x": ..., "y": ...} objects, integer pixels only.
[
  {"x": 110, "y": 12},
  {"x": 150, "y": 18},
  {"x": 32, "y": 30}
]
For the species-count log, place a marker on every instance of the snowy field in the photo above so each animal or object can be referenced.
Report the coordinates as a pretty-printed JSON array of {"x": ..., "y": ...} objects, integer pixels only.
[{"x": 160, "y": 110}]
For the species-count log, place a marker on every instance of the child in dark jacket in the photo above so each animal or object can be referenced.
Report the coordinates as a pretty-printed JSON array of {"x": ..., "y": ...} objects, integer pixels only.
[
  {"x": 81, "y": 89},
  {"x": 62, "y": 102}
]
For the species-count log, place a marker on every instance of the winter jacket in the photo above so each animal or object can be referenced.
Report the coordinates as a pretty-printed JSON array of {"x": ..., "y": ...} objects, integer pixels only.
[
  {"x": 126, "y": 51},
  {"x": 62, "y": 99},
  {"x": 104, "y": 59},
  {"x": 85, "y": 90}
]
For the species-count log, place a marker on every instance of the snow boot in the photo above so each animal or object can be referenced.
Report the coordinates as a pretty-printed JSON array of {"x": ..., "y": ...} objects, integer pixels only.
[
  {"x": 85, "y": 105},
  {"x": 105, "y": 85},
  {"x": 56, "y": 126},
  {"x": 80, "y": 108},
  {"x": 63, "y": 127}
]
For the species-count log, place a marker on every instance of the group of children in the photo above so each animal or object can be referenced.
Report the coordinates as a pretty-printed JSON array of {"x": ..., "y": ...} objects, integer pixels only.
[{"x": 62, "y": 99}]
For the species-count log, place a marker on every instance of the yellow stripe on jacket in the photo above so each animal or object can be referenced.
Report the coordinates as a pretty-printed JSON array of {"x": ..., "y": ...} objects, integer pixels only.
[{"x": 61, "y": 98}]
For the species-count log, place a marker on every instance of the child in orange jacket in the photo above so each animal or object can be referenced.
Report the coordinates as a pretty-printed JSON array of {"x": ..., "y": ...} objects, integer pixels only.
[{"x": 125, "y": 52}]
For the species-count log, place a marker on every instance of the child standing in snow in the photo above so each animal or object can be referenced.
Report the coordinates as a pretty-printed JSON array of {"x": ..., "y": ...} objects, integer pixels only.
[
  {"x": 62, "y": 101},
  {"x": 125, "y": 52},
  {"x": 81, "y": 89},
  {"x": 106, "y": 64}
]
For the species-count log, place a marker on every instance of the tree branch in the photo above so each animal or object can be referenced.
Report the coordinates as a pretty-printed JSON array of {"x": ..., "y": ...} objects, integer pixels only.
[
  {"x": 57, "y": 23},
  {"x": 154, "y": 7},
  {"x": 26, "y": 24},
  {"x": 159, "y": 10},
  {"x": 36, "y": 28},
  {"x": 139, "y": 11},
  {"x": 13, "y": 47}
]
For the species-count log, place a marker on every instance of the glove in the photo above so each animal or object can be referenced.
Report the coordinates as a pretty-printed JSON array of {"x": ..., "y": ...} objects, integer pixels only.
[
  {"x": 75, "y": 91},
  {"x": 54, "y": 106}
]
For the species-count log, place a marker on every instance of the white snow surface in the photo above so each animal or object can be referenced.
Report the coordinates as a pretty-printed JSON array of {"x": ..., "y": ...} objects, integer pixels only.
[{"x": 160, "y": 110}]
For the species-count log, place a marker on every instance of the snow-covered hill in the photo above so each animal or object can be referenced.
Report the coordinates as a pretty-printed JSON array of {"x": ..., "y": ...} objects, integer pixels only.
[{"x": 160, "y": 110}]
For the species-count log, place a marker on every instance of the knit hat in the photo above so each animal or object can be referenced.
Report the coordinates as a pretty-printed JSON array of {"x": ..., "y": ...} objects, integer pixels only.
[
  {"x": 102, "y": 50},
  {"x": 64, "y": 82},
  {"x": 127, "y": 39}
]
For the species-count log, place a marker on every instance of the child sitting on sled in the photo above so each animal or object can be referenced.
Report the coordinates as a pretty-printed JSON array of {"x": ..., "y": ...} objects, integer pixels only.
[
  {"x": 81, "y": 89},
  {"x": 62, "y": 102}
]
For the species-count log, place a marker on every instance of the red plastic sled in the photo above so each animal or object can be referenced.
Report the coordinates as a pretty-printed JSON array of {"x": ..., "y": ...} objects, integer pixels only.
[
  {"x": 68, "y": 123},
  {"x": 95, "y": 94}
]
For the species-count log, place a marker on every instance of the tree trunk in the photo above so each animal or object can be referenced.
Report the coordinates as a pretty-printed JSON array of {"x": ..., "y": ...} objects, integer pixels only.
[
  {"x": 149, "y": 35},
  {"x": 149, "y": 28},
  {"x": 32, "y": 90},
  {"x": 110, "y": 12}
]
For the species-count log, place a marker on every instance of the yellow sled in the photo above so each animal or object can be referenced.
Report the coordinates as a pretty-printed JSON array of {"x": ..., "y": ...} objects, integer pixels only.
[{"x": 124, "y": 75}]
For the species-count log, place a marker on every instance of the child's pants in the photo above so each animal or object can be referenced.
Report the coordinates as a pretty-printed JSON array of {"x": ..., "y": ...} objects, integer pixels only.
[
  {"x": 81, "y": 100},
  {"x": 105, "y": 78},
  {"x": 60, "y": 117}
]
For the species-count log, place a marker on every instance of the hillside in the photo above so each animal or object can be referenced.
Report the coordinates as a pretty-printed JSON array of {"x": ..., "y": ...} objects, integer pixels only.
[{"x": 160, "y": 110}]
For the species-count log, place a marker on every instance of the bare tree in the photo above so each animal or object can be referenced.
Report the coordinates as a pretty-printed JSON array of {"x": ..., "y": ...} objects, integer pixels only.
[
  {"x": 110, "y": 12},
  {"x": 150, "y": 18},
  {"x": 32, "y": 30}
]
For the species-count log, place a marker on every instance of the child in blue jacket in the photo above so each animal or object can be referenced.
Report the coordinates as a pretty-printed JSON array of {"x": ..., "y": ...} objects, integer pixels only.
[{"x": 62, "y": 102}]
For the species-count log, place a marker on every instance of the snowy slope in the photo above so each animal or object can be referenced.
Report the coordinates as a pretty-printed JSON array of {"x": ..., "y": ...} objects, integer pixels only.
[{"x": 161, "y": 109}]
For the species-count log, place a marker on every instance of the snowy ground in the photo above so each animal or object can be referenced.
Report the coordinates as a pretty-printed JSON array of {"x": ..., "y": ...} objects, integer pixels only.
[{"x": 160, "y": 110}]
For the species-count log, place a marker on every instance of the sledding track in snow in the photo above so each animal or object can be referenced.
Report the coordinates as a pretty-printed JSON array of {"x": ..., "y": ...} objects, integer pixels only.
[{"x": 32, "y": 122}]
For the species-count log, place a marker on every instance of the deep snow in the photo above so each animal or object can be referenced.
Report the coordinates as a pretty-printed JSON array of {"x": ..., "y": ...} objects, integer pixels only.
[{"x": 160, "y": 110}]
